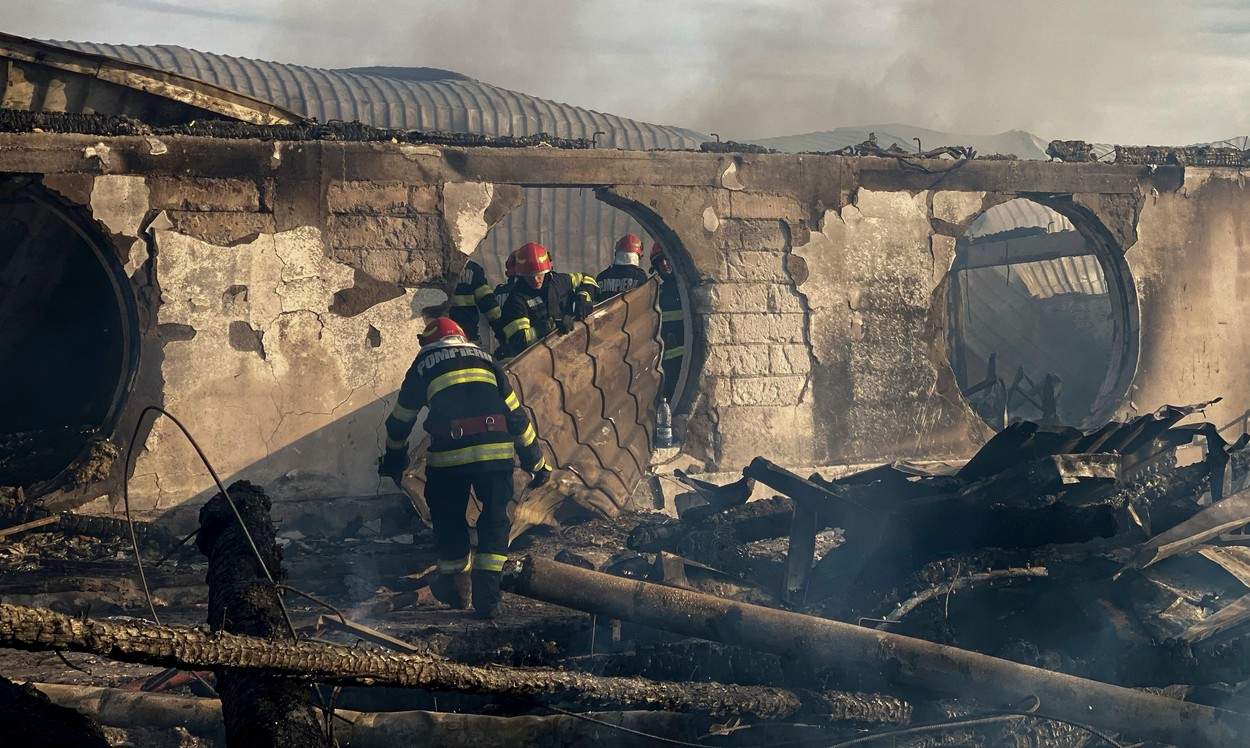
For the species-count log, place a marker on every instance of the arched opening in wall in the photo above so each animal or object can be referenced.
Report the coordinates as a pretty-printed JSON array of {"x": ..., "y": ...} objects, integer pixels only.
[
  {"x": 581, "y": 232},
  {"x": 1038, "y": 318},
  {"x": 68, "y": 333}
]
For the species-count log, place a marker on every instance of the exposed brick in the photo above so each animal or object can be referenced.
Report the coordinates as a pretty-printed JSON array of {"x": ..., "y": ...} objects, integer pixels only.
[
  {"x": 730, "y": 298},
  {"x": 419, "y": 232},
  {"x": 789, "y": 359},
  {"x": 784, "y": 299},
  {"x": 768, "y": 390},
  {"x": 203, "y": 194},
  {"x": 752, "y": 266},
  {"x": 423, "y": 198},
  {"x": 751, "y": 235},
  {"x": 737, "y": 360},
  {"x": 717, "y": 329},
  {"x": 768, "y": 328},
  {"x": 400, "y": 266},
  {"x": 222, "y": 229},
  {"x": 369, "y": 198}
]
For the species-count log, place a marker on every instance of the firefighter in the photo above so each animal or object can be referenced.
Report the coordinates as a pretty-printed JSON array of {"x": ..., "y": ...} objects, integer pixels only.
[
  {"x": 473, "y": 299},
  {"x": 541, "y": 300},
  {"x": 476, "y": 427},
  {"x": 624, "y": 274},
  {"x": 672, "y": 328},
  {"x": 501, "y": 295}
]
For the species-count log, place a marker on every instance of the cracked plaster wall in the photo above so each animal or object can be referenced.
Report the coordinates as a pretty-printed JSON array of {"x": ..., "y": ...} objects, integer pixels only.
[
  {"x": 302, "y": 412},
  {"x": 1191, "y": 266}
]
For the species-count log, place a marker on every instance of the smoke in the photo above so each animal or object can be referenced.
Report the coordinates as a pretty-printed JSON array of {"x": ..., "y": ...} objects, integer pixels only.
[{"x": 1132, "y": 71}]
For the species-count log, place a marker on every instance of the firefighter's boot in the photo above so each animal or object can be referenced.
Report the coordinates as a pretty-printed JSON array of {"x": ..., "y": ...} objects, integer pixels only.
[
  {"x": 486, "y": 593},
  {"x": 452, "y": 590}
]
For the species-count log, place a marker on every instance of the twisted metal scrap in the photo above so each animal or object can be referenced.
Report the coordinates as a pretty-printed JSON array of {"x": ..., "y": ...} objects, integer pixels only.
[{"x": 591, "y": 395}]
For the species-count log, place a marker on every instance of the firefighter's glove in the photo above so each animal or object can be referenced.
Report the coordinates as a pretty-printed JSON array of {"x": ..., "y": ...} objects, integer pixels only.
[
  {"x": 582, "y": 307},
  {"x": 393, "y": 463},
  {"x": 541, "y": 476},
  {"x": 562, "y": 326}
]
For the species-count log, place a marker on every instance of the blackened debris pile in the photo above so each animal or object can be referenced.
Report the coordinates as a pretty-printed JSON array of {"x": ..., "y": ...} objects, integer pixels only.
[{"x": 16, "y": 120}]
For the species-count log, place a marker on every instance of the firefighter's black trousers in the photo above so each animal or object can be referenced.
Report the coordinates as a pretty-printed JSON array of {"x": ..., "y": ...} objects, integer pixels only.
[{"x": 447, "y": 496}]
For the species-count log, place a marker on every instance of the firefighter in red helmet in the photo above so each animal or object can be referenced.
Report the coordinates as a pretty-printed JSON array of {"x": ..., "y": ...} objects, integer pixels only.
[
  {"x": 541, "y": 299},
  {"x": 672, "y": 327},
  {"x": 625, "y": 273},
  {"x": 476, "y": 427}
]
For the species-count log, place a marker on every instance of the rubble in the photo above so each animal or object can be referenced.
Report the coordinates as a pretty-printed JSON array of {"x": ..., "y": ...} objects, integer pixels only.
[{"x": 1059, "y": 585}]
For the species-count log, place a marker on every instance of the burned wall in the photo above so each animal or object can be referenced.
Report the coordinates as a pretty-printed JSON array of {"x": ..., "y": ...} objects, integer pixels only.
[
  {"x": 282, "y": 285},
  {"x": 1191, "y": 264}
]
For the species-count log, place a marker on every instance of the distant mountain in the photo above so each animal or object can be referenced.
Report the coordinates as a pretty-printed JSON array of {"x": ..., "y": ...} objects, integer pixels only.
[{"x": 1018, "y": 142}]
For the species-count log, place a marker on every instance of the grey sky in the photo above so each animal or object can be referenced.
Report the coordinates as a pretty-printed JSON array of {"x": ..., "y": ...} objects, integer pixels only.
[{"x": 1130, "y": 71}]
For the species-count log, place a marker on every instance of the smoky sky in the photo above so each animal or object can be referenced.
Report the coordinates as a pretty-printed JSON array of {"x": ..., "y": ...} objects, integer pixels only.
[{"x": 1130, "y": 71}]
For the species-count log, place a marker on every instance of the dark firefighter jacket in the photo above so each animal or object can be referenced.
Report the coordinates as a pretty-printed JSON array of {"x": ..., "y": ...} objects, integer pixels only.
[
  {"x": 529, "y": 314},
  {"x": 473, "y": 296},
  {"x": 618, "y": 279},
  {"x": 672, "y": 331},
  {"x": 475, "y": 421},
  {"x": 501, "y": 295}
]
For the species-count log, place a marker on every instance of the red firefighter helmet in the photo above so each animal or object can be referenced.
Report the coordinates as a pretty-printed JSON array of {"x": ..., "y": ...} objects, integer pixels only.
[
  {"x": 439, "y": 329},
  {"x": 531, "y": 259},
  {"x": 533, "y": 262},
  {"x": 659, "y": 260},
  {"x": 509, "y": 267},
  {"x": 629, "y": 243}
]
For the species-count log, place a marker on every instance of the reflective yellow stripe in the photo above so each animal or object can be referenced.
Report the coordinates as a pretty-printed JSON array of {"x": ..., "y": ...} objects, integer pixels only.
[
  {"x": 400, "y": 413},
  {"x": 465, "y": 455},
  {"x": 672, "y": 316},
  {"x": 515, "y": 326},
  {"x": 489, "y": 561},
  {"x": 453, "y": 378},
  {"x": 396, "y": 443},
  {"x": 588, "y": 280},
  {"x": 530, "y": 335},
  {"x": 542, "y": 465},
  {"x": 456, "y": 566},
  {"x": 511, "y": 401},
  {"x": 528, "y": 436},
  {"x": 481, "y": 291},
  {"x": 462, "y": 299},
  {"x": 677, "y": 352},
  {"x": 494, "y": 313}
]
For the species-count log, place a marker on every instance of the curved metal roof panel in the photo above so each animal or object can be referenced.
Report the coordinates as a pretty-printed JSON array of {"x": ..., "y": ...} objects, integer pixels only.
[{"x": 461, "y": 105}]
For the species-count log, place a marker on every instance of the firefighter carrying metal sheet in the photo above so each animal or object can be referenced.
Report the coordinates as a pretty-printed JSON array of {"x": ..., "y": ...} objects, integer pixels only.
[
  {"x": 541, "y": 299},
  {"x": 476, "y": 427},
  {"x": 624, "y": 274},
  {"x": 672, "y": 328},
  {"x": 472, "y": 300}
]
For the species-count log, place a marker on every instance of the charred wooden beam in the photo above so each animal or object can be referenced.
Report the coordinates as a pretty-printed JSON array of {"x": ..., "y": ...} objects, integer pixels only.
[
  {"x": 260, "y": 709},
  {"x": 39, "y": 630},
  {"x": 892, "y": 658},
  {"x": 116, "y": 707},
  {"x": 755, "y": 520}
]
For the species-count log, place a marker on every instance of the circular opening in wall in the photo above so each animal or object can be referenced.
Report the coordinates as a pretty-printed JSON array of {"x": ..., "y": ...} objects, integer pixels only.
[
  {"x": 1040, "y": 317},
  {"x": 67, "y": 330}
]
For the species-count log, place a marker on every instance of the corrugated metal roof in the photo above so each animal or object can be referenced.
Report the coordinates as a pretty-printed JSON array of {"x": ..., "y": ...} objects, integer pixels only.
[
  {"x": 458, "y": 105},
  {"x": 1044, "y": 278},
  {"x": 579, "y": 229}
]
